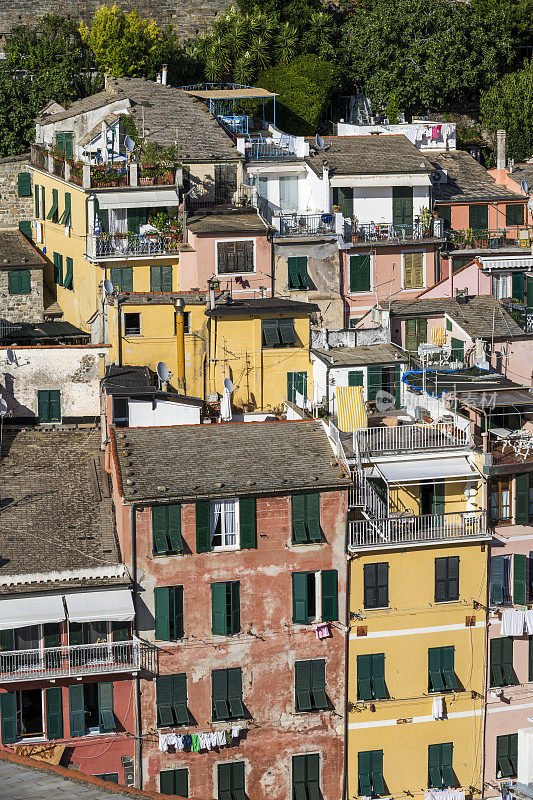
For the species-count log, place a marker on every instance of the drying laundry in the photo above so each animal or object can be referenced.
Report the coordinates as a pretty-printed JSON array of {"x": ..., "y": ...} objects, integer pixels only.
[{"x": 513, "y": 621}]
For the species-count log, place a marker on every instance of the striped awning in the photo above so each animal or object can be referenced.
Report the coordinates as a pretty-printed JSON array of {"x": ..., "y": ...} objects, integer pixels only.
[
  {"x": 438, "y": 335},
  {"x": 351, "y": 409}
]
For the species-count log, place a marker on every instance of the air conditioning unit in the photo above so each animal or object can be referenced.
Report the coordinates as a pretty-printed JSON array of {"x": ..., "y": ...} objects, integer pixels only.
[{"x": 439, "y": 176}]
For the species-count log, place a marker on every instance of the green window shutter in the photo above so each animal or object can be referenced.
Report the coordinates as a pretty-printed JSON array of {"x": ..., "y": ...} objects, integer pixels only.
[
  {"x": 166, "y": 278},
  {"x": 364, "y": 773},
  {"x": 376, "y": 585},
  {"x": 496, "y": 671},
  {"x": 127, "y": 279},
  {"x": 174, "y": 781},
  {"x": 313, "y": 776},
  {"x": 445, "y": 214},
  {"x": 374, "y": 374},
  {"x": 24, "y": 184},
  {"x": 162, "y": 613},
  {"x": 54, "y": 396},
  {"x": 379, "y": 689},
  {"x": 360, "y": 273},
  {"x": 318, "y": 683},
  {"x": 518, "y": 286},
  {"x": 411, "y": 339},
  {"x": 247, "y": 523},
  {"x": 224, "y": 774},
  {"x": 76, "y": 706},
  {"x": 7, "y": 640},
  {"x": 302, "y": 682},
  {"x": 218, "y": 609},
  {"x": 458, "y": 349},
  {"x": 37, "y": 199},
  {"x": 52, "y": 636},
  {"x": 397, "y": 386},
  {"x": 166, "y": 781},
  {"x": 219, "y": 693},
  {"x": 435, "y": 766},
  {"x": 235, "y": 692},
  {"x": 402, "y": 205},
  {"x": 160, "y": 543},
  {"x": 105, "y": 707},
  {"x": 330, "y": 611},
  {"x": 67, "y": 145},
  {"x": 174, "y": 528},
  {"x": 54, "y": 713},
  {"x": 441, "y": 580},
  {"x": 287, "y": 332},
  {"x": 478, "y": 217},
  {"x": 507, "y": 661},
  {"x": 355, "y": 378},
  {"x": 343, "y": 198},
  {"x": 448, "y": 667},
  {"x": 8, "y": 717},
  {"x": 422, "y": 331},
  {"x": 53, "y": 213},
  {"x": 297, "y": 272},
  {"x": 514, "y": 214},
  {"x": 519, "y": 579},
  {"x": 299, "y": 531},
  {"x": 43, "y": 406},
  {"x": 14, "y": 281},
  {"x": 179, "y": 699},
  {"x": 25, "y": 229},
  {"x": 67, "y": 283},
  {"x": 233, "y": 590},
  {"x": 497, "y": 577},
  {"x": 300, "y": 603},
  {"x": 447, "y": 764},
  {"x": 378, "y": 785},
  {"x": 65, "y": 218},
  {"x": 270, "y": 332},
  {"x": 435, "y": 676},
  {"x": 312, "y": 516},
  {"x": 203, "y": 526},
  {"x": 364, "y": 677},
  {"x": 176, "y": 612},
  {"x": 155, "y": 279},
  {"x": 58, "y": 269},
  {"x": 164, "y": 696},
  {"x": 522, "y": 499}
]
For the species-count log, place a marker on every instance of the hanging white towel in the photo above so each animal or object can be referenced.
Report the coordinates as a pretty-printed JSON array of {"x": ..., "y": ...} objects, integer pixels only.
[
  {"x": 438, "y": 708},
  {"x": 163, "y": 744},
  {"x": 179, "y": 742},
  {"x": 213, "y": 739},
  {"x": 221, "y": 738},
  {"x": 235, "y": 732},
  {"x": 513, "y": 620},
  {"x": 171, "y": 740},
  {"x": 529, "y": 621}
]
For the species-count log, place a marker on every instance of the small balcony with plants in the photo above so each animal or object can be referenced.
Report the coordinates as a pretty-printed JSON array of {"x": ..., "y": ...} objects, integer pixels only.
[
  {"x": 129, "y": 236},
  {"x": 515, "y": 236}
]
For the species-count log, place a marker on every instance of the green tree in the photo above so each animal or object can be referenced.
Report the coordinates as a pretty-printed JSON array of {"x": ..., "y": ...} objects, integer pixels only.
[
  {"x": 509, "y": 105},
  {"x": 304, "y": 88}
]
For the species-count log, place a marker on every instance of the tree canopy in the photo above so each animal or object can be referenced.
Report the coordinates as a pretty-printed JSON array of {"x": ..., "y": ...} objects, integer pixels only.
[{"x": 509, "y": 105}]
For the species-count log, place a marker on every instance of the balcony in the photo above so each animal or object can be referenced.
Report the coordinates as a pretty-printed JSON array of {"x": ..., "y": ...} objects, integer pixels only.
[
  {"x": 133, "y": 245},
  {"x": 306, "y": 224},
  {"x": 387, "y": 233},
  {"x": 50, "y": 663},
  {"x": 417, "y": 530},
  {"x": 410, "y": 438},
  {"x": 484, "y": 239}
]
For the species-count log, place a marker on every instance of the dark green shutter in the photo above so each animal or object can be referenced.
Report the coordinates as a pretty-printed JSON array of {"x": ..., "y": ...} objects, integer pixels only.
[
  {"x": 120, "y": 631},
  {"x": 448, "y": 667},
  {"x": 75, "y": 633},
  {"x": 312, "y": 520},
  {"x": 422, "y": 331},
  {"x": 507, "y": 660},
  {"x": 514, "y": 214},
  {"x": 360, "y": 273},
  {"x": 355, "y": 378},
  {"x": 54, "y": 713},
  {"x": 164, "y": 692},
  {"x": 330, "y": 611},
  {"x": 219, "y": 693},
  {"x": 176, "y": 612},
  {"x": 247, "y": 519},
  {"x": 374, "y": 374},
  {"x": 438, "y": 499},
  {"x": 76, "y": 705},
  {"x": 302, "y": 683},
  {"x": 497, "y": 576},
  {"x": 8, "y": 712},
  {"x": 297, "y": 272},
  {"x": 435, "y": 676},
  {"x": 364, "y": 677},
  {"x": 25, "y": 229},
  {"x": 65, "y": 218},
  {"x": 166, "y": 781},
  {"x": 105, "y": 707},
  {"x": 218, "y": 609},
  {"x": 300, "y": 605},
  {"x": 174, "y": 528},
  {"x": 37, "y": 190},
  {"x": 234, "y": 612},
  {"x": 411, "y": 338},
  {"x": 166, "y": 278},
  {"x": 19, "y": 281},
  {"x": 203, "y": 526},
  {"x": 55, "y": 405},
  {"x": 52, "y": 636},
  {"x": 162, "y": 613},
  {"x": 155, "y": 279},
  {"x": 518, "y": 286},
  {"x": 179, "y": 698},
  {"x": 397, "y": 385},
  {"x": 447, "y": 764},
  {"x": 478, "y": 217},
  {"x": 434, "y": 766},
  {"x": 24, "y": 184},
  {"x": 343, "y": 198},
  {"x": 299, "y": 531},
  {"x": 402, "y": 205},
  {"x": 445, "y": 214},
  {"x": 441, "y": 580},
  {"x": 235, "y": 692},
  {"x": 519, "y": 579},
  {"x": 364, "y": 773},
  {"x": 160, "y": 544},
  {"x": 67, "y": 283},
  {"x": 522, "y": 499},
  {"x": 379, "y": 688}
]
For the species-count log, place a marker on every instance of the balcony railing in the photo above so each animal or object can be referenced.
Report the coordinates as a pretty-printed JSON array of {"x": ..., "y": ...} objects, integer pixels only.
[
  {"x": 75, "y": 660},
  {"x": 363, "y": 495},
  {"x": 282, "y": 147},
  {"x": 107, "y": 245},
  {"x": 387, "y": 233},
  {"x": 486, "y": 239},
  {"x": 405, "y": 530},
  {"x": 306, "y": 224},
  {"x": 410, "y": 438}
]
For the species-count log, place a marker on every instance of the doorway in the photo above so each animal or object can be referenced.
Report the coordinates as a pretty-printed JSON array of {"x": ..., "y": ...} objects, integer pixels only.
[
  {"x": 432, "y": 498},
  {"x": 30, "y": 713}
]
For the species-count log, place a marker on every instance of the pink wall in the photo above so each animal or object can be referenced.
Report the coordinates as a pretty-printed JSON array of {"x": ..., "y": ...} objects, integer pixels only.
[
  {"x": 469, "y": 277},
  {"x": 496, "y": 214},
  {"x": 513, "y": 359},
  {"x": 199, "y": 264}
]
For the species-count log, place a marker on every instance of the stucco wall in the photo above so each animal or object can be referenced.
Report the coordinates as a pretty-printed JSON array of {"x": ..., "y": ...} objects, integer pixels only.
[
  {"x": 471, "y": 278},
  {"x": 13, "y": 208}
]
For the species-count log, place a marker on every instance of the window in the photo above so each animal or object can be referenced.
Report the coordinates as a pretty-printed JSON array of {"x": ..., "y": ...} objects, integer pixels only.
[
  {"x": 226, "y": 693},
  {"x": 501, "y": 662},
  {"x": 235, "y": 257},
  {"x": 416, "y": 333},
  {"x": 458, "y": 349},
  {"x": 371, "y": 677},
  {"x": 310, "y": 685},
  {"x": 413, "y": 270},
  {"x": 306, "y": 777},
  {"x": 91, "y": 709},
  {"x": 360, "y": 280},
  {"x": 518, "y": 286},
  {"x": 440, "y": 770},
  {"x": 21, "y": 715},
  {"x": 402, "y": 205},
  {"x": 500, "y": 568},
  {"x": 161, "y": 278},
  {"x": 514, "y": 214},
  {"x": 19, "y": 281},
  {"x": 370, "y": 773},
  {"x": 523, "y": 498},
  {"x": 121, "y": 415},
  {"x": 225, "y": 608},
  {"x": 288, "y": 193},
  {"x": 441, "y": 669},
  {"x": 171, "y": 700},
  {"x": 501, "y": 286},
  {"x": 507, "y": 751},
  {"x": 58, "y": 269},
  {"x": 168, "y": 613},
  {"x": 49, "y": 405},
  {"x": 296, "y": 384},
  {"x": 67, "y": 283},
  {"x": 24, "y": 184},
  {"x": 122, "y": 278},
  {"x": 53, "y": 213},
  {"x": 225, "y": 181},
  {"x": 166, "y": 530},
  {"x": 132, "y": 324},
  {"x": 278, "y": 333},
  {"x": 376, "y": 585},
  {"x": 54, "y": 712},
  {"x": 231, "y": 781},
  {"x": 87, "y": 632},
  {"x": 314, "y": 596},
  {"x": 306, "y": 518},
  {"x": 478, "y": 217},
  {"x": 186, "y": 322},
  {"x": 445, "y": 213},
  {"x": 64, "y": 143},
  {"x": 174, "y": 781},
  {"x": 65, "y": 218},
  {"x": 500, "y": 499},
  {"x": 297, "y": 272},
  {"x": 224, "y": 524},
  {"x": 446, "y": 579}
]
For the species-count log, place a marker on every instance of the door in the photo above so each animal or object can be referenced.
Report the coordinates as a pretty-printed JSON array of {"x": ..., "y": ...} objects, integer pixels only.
[
  {"x": 518, "y": 286},
  {"x": 288, "y": 193},
  {"x": 402, "y": 205},
  {"x": 343, "y": 198},
  {"x": 296, "y": 382},
  {"x": 225, "y": 181}
]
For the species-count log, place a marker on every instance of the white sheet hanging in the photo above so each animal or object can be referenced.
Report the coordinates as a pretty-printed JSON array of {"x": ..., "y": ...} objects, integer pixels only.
[{"x": 513, "y": 620}]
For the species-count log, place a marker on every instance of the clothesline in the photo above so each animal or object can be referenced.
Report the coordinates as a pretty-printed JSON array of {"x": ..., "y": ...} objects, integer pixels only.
[
  {"x": 198, "y": 741},
  {"x": 514, "y": 620}
]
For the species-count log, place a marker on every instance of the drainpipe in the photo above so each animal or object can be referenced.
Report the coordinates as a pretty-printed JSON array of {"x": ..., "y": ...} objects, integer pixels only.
[
  {"x": 180, "y": 345},
  {"x": 118, "y": 351},
  {"x": 138, "y": 715},
  {"x": 345, "y": 790}
]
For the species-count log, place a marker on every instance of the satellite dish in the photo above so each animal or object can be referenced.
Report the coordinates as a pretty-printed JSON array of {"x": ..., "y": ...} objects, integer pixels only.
[
  {"x": 523, "y": 186},
  {"x": 319, "y": 142},
  {"x": 10, "y": 355},
  {"x": 129, "y": 144},
  {"x": 228, "y": 385},
  {"x": 108, "y": 286},
  {"x": 162, "y": 371},
  {"x": 3, "y": 407}
]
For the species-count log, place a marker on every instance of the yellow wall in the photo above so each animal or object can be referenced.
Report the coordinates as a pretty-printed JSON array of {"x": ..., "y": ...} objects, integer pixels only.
[
  {"x": 412, "y": 606},
  {"x": 406, "y": 499}
]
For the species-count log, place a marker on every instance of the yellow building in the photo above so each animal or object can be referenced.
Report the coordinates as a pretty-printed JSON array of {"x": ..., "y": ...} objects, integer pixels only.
[{"x": 418, "y": 546}]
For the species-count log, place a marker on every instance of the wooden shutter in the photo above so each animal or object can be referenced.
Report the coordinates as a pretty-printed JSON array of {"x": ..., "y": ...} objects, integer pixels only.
[
  {"x": 411, "y": 342},
  {"x": 234, "y": 613},
  {"x": 67, "y": 283},
  {"x": 364, "y": 677},
  {"x": 218, "y": 609},
  {"x": 448, "y": 667},
  {"x": 417, "y": 267},
  {"x": 164, "y": 691},
  {"x": 402, "y": 205},
  {"x": 224, "y": 774},
  {"x": 343, "y": 198},
  {"x": 8, "y": 716},
  {"x": 162, "y": 613},
  {"x": 453, "y": 578},
  {"x": 364, "y": 274},
  {"x": 446, "y": 764},
  {"x": 397, "y": 386},
  {"x": 54, "y": 713},
  {"x": 496, "y": 672},
  {"x": 247, "y": 523},
  {"x": 519, "y": 579},
  {"x": 370, "y": 599},
  {"x": 312, "y": 516},
  {"x": 377, "y": 772},
  {"x": 132, "y": 216},
  {"x": 514, "y": 214},
  {"x": 507, "y": 660},
  {"x": 65, "y": 216},
  {"x": 37, "y": 199},
  {"x": 55, "y": 405},
  {"x": 235, "y": 692},
  {"x": 478, "y": 217},
  {"x": 174, "y": 528},
  {"x": 43, "y": 405},
  {"x": 155, "y": 278},
  {"x": 166, "y": 278},
  {"x": 441, "y": 580},
  {"x": 105, "y": 707},
  {"x": 318, "y": 683},
  {"x": 160, "y": 543},
  {"x": 76, "y": 705},
  {"x": 434, "y": 766},
  {"x": 287, "y": 332},
  {"x": 299, "y": 531},
  {"x": 219, "y": 693},
  {"x": 379, "y": 690},
  {"x": 300, "y": 603},
  {"x": 374, "y": 374},
  {"x": 166, "y": 781},
  {"x": 435, "y": 676},
  {"x": 330, "y": 611},
  {"x": 270, "y": 332},
  {"x": 313, "y": 776},
  {"x": 497, "y": 573},
  {"x": 302, "y": 682},
  {"x": 176, "y": 612},
  {"x": 203, "y": 526},
  {"x": 354, "y": 273},
  {"x": 67, "y": 144},
  {"x": 522, "y": 499},
  {"x": 24, "y": 184},
  {"x": 364, "y": 771},
  {"x": 51, "y": 634},
  {"x": 382, "y": 575},
  {"x": 179, "y": 698},
  {"x": 355, "y": 378},
  {"x": 13, "y": 281},
  {"x": 25, "y": 229}
]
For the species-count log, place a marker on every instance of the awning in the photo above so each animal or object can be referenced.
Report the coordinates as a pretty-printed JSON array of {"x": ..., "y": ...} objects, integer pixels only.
[
  {"x": 111, "y": 606},
  {"x": 150, "y": 199},
  {"x": 18, "y": 612},
  {"x": 351, "y": 410},
  {"x": 408, "y": 471}
]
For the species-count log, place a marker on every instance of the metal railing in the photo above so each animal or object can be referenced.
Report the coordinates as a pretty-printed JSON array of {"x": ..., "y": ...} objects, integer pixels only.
[
  {"x": 384, "y": 232},
  {"x": 85, "y": 659},
  {"x": 105, "y": 245},
  {"x": 439, "y": 436},
  {"x": 489, "y": 239},
  {"x": 363, "y": 495},
  {"x": 306, "y": 224},
  {"x": 284, "y": 147},
  {"x": 200, "y": 198},
  {"x": 394, "y": 531}
]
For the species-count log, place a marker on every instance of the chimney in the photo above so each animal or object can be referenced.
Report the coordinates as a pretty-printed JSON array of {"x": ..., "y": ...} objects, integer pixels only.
[
  {"x": 158, "y": 79},
  {"x": 500, "y": 149},
  {"x": 164, "y": 74}
]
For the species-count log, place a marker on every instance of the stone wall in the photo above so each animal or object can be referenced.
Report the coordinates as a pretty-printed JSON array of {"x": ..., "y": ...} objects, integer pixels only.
[
  {"x": 22, "y": 307},
  {"x": 13, "y": 208}
]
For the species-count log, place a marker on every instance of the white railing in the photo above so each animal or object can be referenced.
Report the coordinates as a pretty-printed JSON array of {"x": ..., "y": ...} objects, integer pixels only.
[
  {"x": 85, "y": 659},
  {"x": 394, "y": 531},
  {"x": 106, "y": 245},
  {"x": 439, "y": 436},
  {"x": 362, "y": 494}
]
